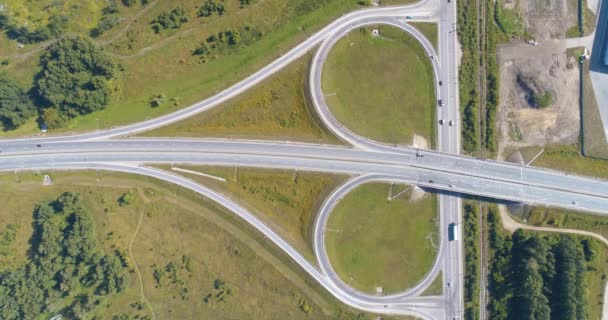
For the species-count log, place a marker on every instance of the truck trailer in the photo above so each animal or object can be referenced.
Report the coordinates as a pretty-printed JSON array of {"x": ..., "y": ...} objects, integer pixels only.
[{"x": 452, "y": 232}]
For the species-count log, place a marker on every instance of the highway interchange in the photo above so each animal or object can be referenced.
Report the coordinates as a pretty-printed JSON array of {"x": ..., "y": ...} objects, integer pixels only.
[{"x": 366, "y": 161}]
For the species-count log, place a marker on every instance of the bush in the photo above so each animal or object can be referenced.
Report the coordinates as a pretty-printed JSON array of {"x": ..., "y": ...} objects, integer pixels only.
[
  {"x": 129, "y": 3},
  {"x": 75, "y": 77},
  {"x": 15, "y": 106},
  {"x": 53, "y": 118},
  {"x": 170, "y": 20},
  {"x": 105, "y": 23},
  {"x": 210, "y": 7},
  {"x": 127, "y": 198}
]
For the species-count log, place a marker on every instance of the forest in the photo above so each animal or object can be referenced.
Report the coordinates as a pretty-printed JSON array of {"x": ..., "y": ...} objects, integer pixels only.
[
  {"x": 537, "y": 276},
  {"x": 67, "y": 272}
]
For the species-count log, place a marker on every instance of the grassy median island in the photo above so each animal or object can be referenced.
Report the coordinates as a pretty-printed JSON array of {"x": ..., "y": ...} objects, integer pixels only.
[
  {"x": 381, "y": 87},
  {"x": 376, "y": 243},
  {"x": 286, "y": 200},
  {"x": 196, "y": 260},
  {"x": 274, "y": 109}
]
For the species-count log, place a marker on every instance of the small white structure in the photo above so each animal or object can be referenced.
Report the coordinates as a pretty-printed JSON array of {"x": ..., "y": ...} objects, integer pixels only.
[
  {"x": 47, "y": 181},
  {"x": 375, "y": 32}
]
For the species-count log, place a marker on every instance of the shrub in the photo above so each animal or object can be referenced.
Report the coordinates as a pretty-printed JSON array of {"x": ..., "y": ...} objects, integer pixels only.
[
  {"x": 170, "y": 20},
  {"x": 210, "y": 7}
]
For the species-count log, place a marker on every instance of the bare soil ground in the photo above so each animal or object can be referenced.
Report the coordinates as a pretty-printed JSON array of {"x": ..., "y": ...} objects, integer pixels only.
[
  {"x": 522, "y": 125},
  {"x": 549, "y": 19}
]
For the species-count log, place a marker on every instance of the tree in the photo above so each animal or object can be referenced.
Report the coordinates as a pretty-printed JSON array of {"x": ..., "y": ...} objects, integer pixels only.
[
  {"x": 15, "y": 106},
  {"x": 75, "y": 78}
]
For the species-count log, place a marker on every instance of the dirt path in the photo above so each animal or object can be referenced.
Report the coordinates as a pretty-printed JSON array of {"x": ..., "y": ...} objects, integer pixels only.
[{"x": 137, "y": 270}]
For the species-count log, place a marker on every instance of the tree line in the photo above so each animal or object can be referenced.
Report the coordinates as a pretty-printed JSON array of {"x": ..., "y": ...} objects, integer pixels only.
[
  {"x": 535, "y": 276},
  {"x": 66, "y": 265}
]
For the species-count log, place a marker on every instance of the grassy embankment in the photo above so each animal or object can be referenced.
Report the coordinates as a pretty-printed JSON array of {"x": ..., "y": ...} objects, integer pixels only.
[
  {"x": 429, "y": 30},
  {"x": 179, "y": 227},
  {"x": 163, "y": 63},
  {"x": 285, "y": 200},
  {"x": 374, "y": 242},
  {"x": 400, "y": 101},
  {"x": 276, "y": 108}
]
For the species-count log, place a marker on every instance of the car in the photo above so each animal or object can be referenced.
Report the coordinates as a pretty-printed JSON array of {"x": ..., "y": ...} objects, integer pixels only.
[
  {"x": 38, "y": 146},
  {"x": 451, "y": 123},
  {"x": 574, "y": 202},
  {"x": 440, "y": 102},
  {"x": 441, "y": 121},
  {"x": 451, "y": 186},
  {"x": 431, "y": 181},
  {"x": 449, "y": 284}
]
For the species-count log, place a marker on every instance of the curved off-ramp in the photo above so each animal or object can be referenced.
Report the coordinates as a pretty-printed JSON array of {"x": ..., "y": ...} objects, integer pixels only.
[
  {"x": 321, "y": 252},
  {"x": 427, "y": 308}
]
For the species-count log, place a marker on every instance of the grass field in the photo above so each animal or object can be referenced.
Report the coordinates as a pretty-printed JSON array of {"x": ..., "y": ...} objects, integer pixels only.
[
  {"x": 381, "y": 87},
  {"x": 164, "y": 64},
  {"x": 568, "y": 158},
  {"x": 287, "y": 201},
  {"x": 373, "y": 242},
  {"x": 275, "y": 109},
  {"x": 429, "y": 30},
  {"x": 172, "y": 225},
  {"x": 436, "y": 288}
]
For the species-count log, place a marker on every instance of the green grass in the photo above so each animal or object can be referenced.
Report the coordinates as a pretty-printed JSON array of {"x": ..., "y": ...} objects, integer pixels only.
[
  {"x": 568, "y": 158},
  {"x": 381, "y": 87},
  {"x": 373, "y": 242},
  {"x": 436, "y": 288},
  {"x": 429, "y": 30},
  {"x": 562, "y": 218},
  {"x": 175, "y": 223},
  {"x": 164, "y": 64},
  {"x": 274, "y": 109},
  {"x": 287, "y": 201},
  {"x": 594, "y": 136}
]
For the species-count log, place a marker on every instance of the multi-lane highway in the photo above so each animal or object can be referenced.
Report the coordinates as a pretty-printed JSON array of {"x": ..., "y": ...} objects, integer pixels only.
[{"x": 368, "y": 161}]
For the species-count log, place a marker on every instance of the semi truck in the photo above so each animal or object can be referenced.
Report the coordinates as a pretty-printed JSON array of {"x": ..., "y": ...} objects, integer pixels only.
[{"x": 452, "y": 232}]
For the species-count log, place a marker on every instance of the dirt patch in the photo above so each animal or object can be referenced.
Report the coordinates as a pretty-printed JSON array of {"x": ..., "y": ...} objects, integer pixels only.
[
  {"x": 549, "y": 19},
  {"x": 420, "y": 142},
  {"x": 521, "y": 121}
]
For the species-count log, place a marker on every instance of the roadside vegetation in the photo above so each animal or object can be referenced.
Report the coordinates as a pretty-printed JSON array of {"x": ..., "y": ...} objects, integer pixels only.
[
  {"x": 375, "y": 244},
  {"x": 168, "y": 63},
  {"x": 277, "y": 108},
  {"x": 549, "y": 276},
  {"x": 471, "y": 253},
  {"x": 288, "y": 201},
  {"x": 478, "y": 76},
  {"x": 568, "y": 158},
  {"x": 400, "y": 101},
  {"x": 195, "y": 260}
]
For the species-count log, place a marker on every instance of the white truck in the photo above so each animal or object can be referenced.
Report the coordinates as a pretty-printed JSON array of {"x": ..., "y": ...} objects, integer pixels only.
[{"x": 452, "y": 232}]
